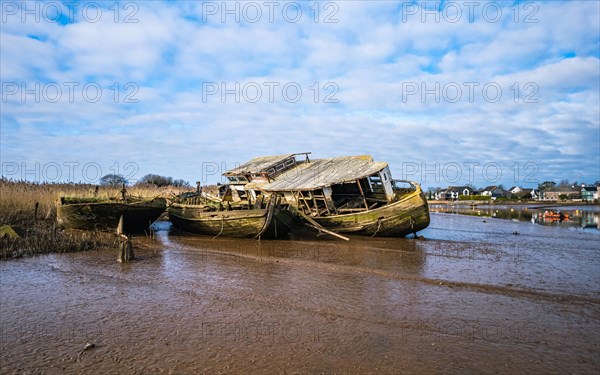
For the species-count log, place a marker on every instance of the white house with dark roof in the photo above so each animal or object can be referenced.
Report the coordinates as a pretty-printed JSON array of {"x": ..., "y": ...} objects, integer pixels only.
[
  {"x": 515, "y": 189},
  {"x": 495, "y": 192},
  {"x": 453, "y": 192},
  {"x": 526, "y": 193}
]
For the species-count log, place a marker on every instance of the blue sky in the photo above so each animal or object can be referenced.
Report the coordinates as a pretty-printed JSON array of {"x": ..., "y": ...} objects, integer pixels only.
[{"x": 447, "y": 93}]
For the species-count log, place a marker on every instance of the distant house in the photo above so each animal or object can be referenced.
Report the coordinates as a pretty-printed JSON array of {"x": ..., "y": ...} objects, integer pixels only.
[
  {"x": 495, "y": 192},
  {"x": 590, "y": 193},
  {"x": 488, "y": 190},
  {"x": 453, "y": 192},
  {"x": 555, "y": 193},
  {"x": 515, "y": 189},
  {"x": 527, "y": 194}
]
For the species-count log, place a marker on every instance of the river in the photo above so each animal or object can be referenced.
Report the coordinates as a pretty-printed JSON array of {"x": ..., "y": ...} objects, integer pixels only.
[{"x": 479, "y": 295}]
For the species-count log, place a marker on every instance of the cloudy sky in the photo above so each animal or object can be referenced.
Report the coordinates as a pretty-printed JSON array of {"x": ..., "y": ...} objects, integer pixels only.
[{"x": 447, "y": 93}]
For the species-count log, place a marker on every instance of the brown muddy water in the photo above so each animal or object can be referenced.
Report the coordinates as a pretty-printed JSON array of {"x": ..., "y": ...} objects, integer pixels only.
[{"x": 473, "y": 298}]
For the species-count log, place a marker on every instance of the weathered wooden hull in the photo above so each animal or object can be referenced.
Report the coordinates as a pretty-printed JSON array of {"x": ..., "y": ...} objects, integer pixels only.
[
  {"x": 105, "y": 216},
  {"x": 234, "y": 223},
  {"x": 398, "y": 219}
]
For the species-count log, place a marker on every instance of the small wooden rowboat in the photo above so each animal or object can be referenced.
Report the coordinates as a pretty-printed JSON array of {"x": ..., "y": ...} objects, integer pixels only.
[{"x": 104, "y": 214}]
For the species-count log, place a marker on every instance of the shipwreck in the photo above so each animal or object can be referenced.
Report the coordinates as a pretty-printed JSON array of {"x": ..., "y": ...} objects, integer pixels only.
[
  {"x": 352, "y": 194},
  {"x": 269, "y": 195}
]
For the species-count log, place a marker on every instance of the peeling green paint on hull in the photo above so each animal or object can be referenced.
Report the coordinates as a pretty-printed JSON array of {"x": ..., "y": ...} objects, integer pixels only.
[
  {"x": 234, "y": 223},
  {"x": 104, "y": 216},
  {"x": 406, "y": 216}
]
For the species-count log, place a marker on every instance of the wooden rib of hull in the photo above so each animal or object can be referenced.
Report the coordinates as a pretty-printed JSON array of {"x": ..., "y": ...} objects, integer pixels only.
[
  {"x": 234, "y": 223},
  {"x": 104, "y": 216},
  {"x": 406, "y": 216}
]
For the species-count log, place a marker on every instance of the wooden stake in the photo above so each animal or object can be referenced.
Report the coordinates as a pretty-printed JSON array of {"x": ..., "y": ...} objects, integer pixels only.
[
  {"x": 363, "y": 194},
  {"x": 121, "y": 226},
  {"x": 313, "y": 224},
  {"x": 125, "y": 245}
]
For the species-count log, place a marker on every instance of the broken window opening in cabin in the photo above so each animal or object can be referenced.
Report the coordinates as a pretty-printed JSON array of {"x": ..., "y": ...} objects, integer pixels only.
[
  {"x": 347, "y": 197},
  {"x": 377, "y": 193},
  {"x": 402, "y": 188},
  {"x": 237, "y": 179},
  {"x": 281, "y": 167},
  {"x": 314, "y": 203}
]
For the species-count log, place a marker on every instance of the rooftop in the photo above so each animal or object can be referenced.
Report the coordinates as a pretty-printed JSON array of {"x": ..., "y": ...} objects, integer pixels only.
[
  {"x": 459, "y": 188},
  {"x": 561, "y": 189},
  {"x": 257, "y": 165}
]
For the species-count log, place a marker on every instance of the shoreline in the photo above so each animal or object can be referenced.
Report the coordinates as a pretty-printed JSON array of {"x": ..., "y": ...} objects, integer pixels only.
[{"x": 529, "y": 203}]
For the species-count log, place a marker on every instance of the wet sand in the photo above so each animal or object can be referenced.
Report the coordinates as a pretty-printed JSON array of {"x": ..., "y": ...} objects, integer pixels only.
[{"x": 472, "y": 298}]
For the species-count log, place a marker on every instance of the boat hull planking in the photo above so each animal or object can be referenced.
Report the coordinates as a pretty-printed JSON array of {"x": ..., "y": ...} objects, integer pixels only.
[
  {"x": 398, "y": 219},
  {"x": 104, "y": 216},
  {"x": 234, "y": 223}
]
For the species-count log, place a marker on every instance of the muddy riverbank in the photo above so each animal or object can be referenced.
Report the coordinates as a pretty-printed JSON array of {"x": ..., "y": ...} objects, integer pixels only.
[{"x": 478, "y": 296}]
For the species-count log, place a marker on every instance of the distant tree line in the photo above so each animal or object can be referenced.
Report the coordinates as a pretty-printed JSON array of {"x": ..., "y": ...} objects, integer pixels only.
[
  {"x": 149, "y": 179},
  {"x": 112, "y": 180},
  {"x": 157, "y": 180},
  {"x": 563, "y": 183}
]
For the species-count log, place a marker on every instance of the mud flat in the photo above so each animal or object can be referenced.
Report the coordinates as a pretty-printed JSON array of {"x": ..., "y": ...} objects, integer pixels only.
[{"x": 481, "y": 296}]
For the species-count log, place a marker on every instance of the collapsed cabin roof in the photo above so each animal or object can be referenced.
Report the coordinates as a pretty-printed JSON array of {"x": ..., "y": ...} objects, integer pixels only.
[
  {"x": 320, "y": 173},
  {"x": 258, "y": 165}
]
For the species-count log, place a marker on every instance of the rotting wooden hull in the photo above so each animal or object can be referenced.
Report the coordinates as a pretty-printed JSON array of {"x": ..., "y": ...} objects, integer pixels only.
[
  {"x": 234, "y": 223},
  {"x": 398, "y": 219},
  {"x": 104, "y": 216}
]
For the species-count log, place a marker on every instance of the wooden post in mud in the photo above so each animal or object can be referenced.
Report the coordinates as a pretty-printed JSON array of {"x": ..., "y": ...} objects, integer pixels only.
[
  {"x": 125, "y": 245},
  {"x": 123, "y": 192}
]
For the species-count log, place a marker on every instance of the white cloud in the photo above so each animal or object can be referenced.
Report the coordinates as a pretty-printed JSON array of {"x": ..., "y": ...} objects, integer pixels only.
[{"x": 371, "y": 53}]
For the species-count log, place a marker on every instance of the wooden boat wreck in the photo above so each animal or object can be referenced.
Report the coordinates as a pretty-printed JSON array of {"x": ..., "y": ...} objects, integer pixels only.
[
  {"x": 239, "y": 209},
  {"x": 352, "y": 195},
  {"x": 104, "y": 214},
  {"x": 260, "y": 221}
]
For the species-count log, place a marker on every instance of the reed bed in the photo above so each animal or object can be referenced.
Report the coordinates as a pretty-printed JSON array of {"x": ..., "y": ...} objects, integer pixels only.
[{"x": 30, "y": 209}]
